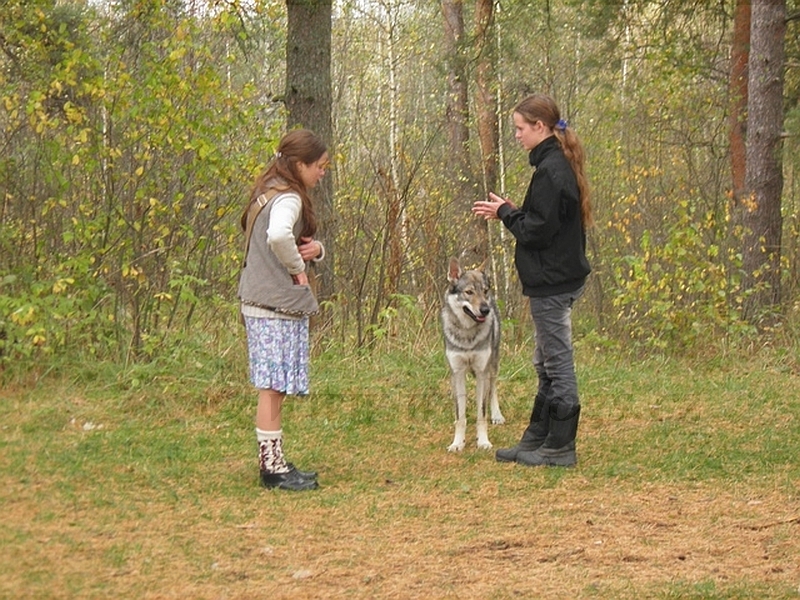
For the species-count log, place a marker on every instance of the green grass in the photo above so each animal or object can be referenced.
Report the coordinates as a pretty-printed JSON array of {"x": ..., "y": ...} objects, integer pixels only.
[{"x": 141, "y": 481}]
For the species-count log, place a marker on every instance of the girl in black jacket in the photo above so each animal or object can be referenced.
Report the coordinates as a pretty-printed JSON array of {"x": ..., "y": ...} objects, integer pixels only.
[{"x": 550, "y": 257}]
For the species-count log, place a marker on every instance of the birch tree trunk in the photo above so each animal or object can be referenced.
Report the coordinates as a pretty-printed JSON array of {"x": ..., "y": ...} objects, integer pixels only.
[
  {"x": 396, "y": 213},
  {"x": 394, "y": 239}
]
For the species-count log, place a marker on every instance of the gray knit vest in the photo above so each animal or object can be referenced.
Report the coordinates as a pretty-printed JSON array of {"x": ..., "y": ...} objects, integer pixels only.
[{"x": 265, "y": 282}]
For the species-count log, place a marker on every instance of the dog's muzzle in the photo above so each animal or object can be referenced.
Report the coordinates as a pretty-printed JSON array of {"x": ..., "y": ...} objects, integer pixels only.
[{"x": 477, "y": 318}]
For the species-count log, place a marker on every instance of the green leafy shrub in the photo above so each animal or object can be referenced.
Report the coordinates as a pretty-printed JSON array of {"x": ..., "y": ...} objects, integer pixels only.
[{"x": 683, "y": 287}]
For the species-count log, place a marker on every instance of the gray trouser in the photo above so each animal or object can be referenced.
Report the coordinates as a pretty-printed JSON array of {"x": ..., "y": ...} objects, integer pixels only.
[{"x": 553, "y": 356}]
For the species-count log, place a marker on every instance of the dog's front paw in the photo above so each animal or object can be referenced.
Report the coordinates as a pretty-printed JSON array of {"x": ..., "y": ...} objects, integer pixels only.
[
  {"x": 484, "y": 445},
  {"x": 455, "y": 447},
  {"x": 498, "y": 420}
]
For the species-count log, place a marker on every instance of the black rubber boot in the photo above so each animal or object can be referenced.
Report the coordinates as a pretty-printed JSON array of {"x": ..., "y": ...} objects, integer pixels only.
[
  {"x": 534, "y": 436},
  {"x": 558, "y": 450}
]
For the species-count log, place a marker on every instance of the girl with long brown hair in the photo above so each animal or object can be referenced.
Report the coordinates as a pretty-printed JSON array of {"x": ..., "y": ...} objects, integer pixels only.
[
  {"x": 276, "y": 299},
  {"x": 550, "y": 256}
]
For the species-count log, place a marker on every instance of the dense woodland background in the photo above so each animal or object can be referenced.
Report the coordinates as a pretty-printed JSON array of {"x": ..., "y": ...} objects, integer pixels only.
[{"x": 131, "y": 131}]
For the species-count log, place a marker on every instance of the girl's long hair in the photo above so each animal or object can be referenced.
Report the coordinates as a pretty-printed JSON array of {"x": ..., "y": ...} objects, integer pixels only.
[
  {"x": 540, "y": 107},
  {"x": 297, "y": 146}
]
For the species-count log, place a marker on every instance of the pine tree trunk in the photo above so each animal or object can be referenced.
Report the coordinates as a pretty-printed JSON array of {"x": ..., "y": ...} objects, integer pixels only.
[
  {"x": 486, "y": 108},
  {"x": 309, "y": 102},
  {"x": 764, "y": 179},
  {"x": 457, "y": 116}
]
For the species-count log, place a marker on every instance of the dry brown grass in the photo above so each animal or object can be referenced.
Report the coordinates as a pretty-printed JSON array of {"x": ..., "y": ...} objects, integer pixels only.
[
  {"x": 396, "y": 516},
  {"x": 511, "y": 536}
]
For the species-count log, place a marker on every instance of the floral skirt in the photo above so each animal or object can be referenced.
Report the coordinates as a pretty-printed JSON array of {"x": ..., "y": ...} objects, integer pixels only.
[{"x": 278, "y": 350}]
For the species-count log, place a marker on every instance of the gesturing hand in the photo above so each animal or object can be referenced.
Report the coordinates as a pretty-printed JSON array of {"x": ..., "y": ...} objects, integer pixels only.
[{"x": 488, "y": 208}]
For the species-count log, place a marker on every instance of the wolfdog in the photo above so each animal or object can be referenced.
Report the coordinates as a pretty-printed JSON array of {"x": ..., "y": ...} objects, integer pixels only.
[{"x": 471, "y": 328}]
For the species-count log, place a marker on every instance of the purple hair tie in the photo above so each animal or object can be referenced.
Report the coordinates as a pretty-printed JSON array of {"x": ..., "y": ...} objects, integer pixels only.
[{"x": 562, "y": 124}]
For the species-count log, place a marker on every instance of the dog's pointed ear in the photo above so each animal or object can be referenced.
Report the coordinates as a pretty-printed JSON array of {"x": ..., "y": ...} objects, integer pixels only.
[{"x": 454, "y": 270}]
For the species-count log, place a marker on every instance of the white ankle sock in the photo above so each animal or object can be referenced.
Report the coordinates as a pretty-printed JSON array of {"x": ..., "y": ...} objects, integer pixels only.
[{"x": 270, "y": 451}]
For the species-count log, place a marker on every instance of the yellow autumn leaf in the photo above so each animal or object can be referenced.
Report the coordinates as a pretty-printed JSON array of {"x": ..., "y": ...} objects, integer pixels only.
[
  {"x": 62, "y": 284},
  {"x": 23, "y": 315}
]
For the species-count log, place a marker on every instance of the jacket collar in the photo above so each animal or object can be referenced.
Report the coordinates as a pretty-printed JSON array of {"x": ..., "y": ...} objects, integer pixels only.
[{"x": 544, "y": 147}]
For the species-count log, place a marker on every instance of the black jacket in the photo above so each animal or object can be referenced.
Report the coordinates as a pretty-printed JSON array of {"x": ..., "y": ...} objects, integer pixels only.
[{"x": 550, "y": 253}]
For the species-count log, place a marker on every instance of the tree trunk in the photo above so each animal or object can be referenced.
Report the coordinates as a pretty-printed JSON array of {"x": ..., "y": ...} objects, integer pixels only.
[
  {"x": 457, "y": 101},
  {"x": 486, "y": 107},
  {"x": 457, "y": 115},
  {"x": 396, "y": 212},
  {"x": 764, "y": 179},
  {"x": 309, "y": 102},
  {"x": 740, "y": 49}
]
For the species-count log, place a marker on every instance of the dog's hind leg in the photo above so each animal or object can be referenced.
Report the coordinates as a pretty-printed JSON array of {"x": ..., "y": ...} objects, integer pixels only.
[
  {"x": 497, "y": 416},
  {"x": 459, "y": 386},
  {"x": 482, "y": 391}
]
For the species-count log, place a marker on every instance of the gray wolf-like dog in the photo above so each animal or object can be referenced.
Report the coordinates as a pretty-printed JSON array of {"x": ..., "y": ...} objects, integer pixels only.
[{"x": 471, "y": 328}]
